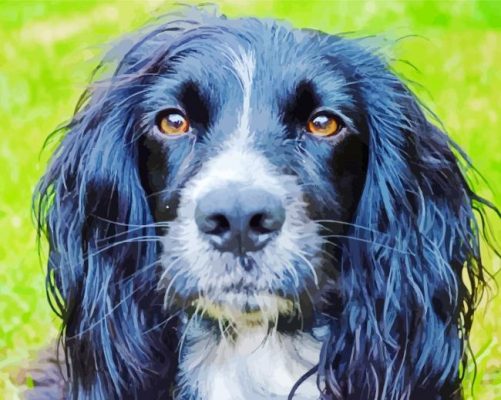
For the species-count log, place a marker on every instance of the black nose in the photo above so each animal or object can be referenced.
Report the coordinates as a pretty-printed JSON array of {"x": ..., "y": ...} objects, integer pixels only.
[{"x": 239, "y": 219}]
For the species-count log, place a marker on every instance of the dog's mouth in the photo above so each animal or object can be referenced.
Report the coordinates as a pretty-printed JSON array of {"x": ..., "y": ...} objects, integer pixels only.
[{"x": 243, "y": 307}]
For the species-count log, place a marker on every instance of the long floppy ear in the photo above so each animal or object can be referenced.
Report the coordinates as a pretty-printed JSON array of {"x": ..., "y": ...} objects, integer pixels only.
[
  {"x": 403, "y": 330},
  {"x": 103, "y": 261}
]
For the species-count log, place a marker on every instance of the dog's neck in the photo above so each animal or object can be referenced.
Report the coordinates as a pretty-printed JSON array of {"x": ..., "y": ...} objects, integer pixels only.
[{"x": 253, "y": 363}]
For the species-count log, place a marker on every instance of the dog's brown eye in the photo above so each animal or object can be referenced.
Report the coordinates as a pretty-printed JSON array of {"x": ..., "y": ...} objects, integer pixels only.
[
  {"x": 323, "y": 124},
  {"x": 172, "y": 122}
]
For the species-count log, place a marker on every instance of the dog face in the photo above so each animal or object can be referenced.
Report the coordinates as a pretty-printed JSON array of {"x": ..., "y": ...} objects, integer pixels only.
[
  {"x": 248, "y": 184},
  {"x": 243, "y": 170}
]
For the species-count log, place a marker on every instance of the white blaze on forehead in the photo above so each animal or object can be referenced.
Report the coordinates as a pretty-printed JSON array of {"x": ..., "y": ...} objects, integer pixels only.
[
  {"x": 243, "y": 65},
  {"x": 237, "y": 161}
]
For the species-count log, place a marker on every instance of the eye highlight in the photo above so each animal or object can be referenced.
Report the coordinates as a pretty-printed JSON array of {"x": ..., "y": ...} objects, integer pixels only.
[
  {"x": 323, "y": 123},
  {"x": 172, "y": 122}
]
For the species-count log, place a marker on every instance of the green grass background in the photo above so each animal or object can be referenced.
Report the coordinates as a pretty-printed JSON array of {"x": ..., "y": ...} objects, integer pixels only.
[{"x": 48, "y": 49}]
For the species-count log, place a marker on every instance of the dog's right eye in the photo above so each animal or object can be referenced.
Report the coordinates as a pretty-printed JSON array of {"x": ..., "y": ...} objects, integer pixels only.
[{"x": 172, "y": 122}]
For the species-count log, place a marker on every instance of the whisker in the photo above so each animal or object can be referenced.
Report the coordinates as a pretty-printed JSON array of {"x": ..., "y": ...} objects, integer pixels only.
[
  {"x": 329, "y": 255},
  {"x": 368, "y": 241},
  {"x": 186, "y": 330},
  {"x": 139, "y": 239},
  {"x": 135, "y": 229},
  {"x": 152, "y": 225},
  {"x": 170, "y": 191},
  {"x": 309, "y": 265},
  {"x": 172, "y": 280},
  {"x": 334, "y": 221},
  {"x": 297, "y": 303},
  {"x": 221, "y": 329},
  {"x": 144, "y": 269},
  {"x": 108, "y": 313},
  {"x": 163, "y": 322},
  {"x": 292, "y": 271}
]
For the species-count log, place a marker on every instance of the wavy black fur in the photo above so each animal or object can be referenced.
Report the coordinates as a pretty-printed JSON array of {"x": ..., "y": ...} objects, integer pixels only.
[{"x": 409, "y": 274}]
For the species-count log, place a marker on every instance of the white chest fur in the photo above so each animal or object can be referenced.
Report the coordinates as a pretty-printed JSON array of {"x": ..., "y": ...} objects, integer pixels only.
[{"x": 256, "y": 366}]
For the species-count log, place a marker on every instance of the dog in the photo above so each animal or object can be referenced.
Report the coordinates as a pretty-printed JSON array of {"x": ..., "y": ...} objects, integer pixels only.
[{"x": 244, "y": 210}]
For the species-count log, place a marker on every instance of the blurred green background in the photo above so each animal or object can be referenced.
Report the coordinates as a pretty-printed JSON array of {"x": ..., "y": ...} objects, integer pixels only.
[{"x": 48, "y": 50}]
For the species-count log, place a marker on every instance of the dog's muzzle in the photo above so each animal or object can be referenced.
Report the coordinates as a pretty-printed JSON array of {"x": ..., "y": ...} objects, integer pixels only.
[{"x": 239, "y": 219}]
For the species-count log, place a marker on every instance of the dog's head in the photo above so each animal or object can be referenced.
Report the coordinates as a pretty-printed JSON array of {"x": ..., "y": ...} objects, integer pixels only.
[
  {"x": 249, "y": 147},
  {"x": 246, "y": 171}
]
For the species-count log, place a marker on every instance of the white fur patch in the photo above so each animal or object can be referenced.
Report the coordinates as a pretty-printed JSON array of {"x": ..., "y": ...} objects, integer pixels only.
[
  {"x": 256, "y": 366},
  {"x": 243, "y": 67}
]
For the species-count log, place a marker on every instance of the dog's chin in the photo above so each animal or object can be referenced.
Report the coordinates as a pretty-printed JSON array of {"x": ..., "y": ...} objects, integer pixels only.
[{"x": 243, "y": 308}]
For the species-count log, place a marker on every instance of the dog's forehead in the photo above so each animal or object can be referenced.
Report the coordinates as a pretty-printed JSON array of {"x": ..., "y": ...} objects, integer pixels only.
[{"x": 268, "y": 62}]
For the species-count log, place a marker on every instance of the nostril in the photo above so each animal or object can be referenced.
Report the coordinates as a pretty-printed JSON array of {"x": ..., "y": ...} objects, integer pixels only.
[
  {"x": 217, "y": 224},
  {"x": 266, "y": 222},
  {"x": 256, "y": 223},
  {"x": 259, "y": 224},
  {"x": 214, "y": 224}
]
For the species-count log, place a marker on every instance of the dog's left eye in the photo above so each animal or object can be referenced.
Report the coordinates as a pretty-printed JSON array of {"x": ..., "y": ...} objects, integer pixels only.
[
  {"x": 172, "y": 122},
  {"x": 323, "y": 123}
]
